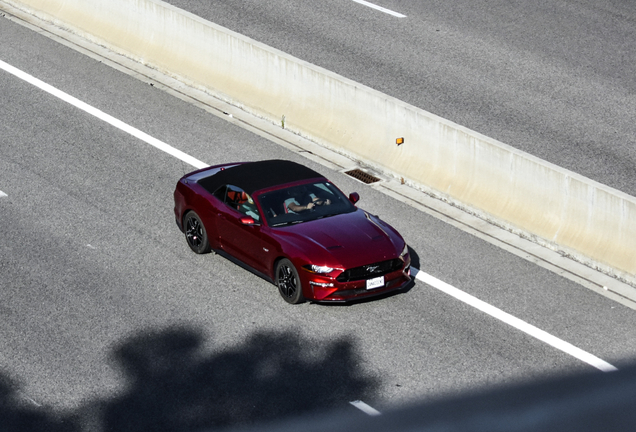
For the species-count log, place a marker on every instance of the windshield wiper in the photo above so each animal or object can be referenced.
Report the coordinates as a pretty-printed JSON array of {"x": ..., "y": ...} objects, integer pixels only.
[{"x": 287, "y": 223}]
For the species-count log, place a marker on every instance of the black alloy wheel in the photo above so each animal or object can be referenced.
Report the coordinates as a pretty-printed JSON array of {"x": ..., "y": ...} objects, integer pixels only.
[
  {"x": 288, "y": 282},
  {"x": 195, "y": 234}
]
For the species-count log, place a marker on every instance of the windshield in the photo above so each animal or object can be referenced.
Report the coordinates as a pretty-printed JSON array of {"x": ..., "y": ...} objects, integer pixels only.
[{"x": 303, "y": 203}]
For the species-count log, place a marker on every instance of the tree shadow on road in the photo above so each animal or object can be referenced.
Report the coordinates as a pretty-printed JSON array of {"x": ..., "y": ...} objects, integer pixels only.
[
  {"x": 174, "y": 386},
  {"x": 19, "y": 415}
]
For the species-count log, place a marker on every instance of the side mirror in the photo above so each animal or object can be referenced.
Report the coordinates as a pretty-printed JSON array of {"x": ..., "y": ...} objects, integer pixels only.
[
  {"x": 354, "y": 197},
  {"x": 246, "y": 220}
]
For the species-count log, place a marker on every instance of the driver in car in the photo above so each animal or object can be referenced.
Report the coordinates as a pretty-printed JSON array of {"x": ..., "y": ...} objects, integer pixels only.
[{"x": 310, "y": 200}]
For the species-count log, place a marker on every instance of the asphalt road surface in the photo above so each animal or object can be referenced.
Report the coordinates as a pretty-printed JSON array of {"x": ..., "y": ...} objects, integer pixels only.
[{"x": 108, "y": 320}]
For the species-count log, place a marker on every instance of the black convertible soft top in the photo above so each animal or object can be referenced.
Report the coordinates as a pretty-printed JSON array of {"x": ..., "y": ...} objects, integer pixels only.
[{"x": 253, "y": 176}]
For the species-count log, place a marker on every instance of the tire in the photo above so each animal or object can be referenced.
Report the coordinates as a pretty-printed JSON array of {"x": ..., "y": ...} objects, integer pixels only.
[
  {"x": 195, "y": 233},
  {"x": 288, "y": 282}
]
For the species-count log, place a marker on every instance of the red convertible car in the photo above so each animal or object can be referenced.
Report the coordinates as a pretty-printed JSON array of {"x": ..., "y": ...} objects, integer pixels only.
[{"x": 292, "y": 226}]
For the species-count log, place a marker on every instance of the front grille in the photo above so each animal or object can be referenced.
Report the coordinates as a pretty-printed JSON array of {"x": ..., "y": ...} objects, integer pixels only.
[{"x": 370, "y": 270}]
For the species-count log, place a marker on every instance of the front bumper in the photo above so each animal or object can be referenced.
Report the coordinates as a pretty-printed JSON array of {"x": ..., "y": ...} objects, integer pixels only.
[{"x": 325, "y": 289}]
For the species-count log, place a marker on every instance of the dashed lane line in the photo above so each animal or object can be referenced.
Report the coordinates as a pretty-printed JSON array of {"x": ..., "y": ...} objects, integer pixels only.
[
  {"x": 365, "y": 408},
  {"x": 380, "y": 8}
]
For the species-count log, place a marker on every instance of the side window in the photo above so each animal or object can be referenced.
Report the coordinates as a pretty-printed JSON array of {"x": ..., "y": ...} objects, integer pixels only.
[
  {"x": 238, "y": 199},
  {"x": 235, "y": 196}
]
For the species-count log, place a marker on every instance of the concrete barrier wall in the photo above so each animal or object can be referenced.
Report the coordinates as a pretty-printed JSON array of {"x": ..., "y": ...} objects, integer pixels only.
[{"x": 595, "y": 223}]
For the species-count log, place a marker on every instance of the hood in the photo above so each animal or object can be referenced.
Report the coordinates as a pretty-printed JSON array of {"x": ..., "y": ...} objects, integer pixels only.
[{"x": 347, "y": 240}]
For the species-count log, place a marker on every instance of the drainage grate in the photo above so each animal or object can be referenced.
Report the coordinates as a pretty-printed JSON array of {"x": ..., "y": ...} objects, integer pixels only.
[{"x": 362, "y": 176}]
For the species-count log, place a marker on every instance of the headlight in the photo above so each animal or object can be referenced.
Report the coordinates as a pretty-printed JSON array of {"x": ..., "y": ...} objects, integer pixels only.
[
  {"x": 404, "y": 251},
  {"x": 318, "y": 269}
]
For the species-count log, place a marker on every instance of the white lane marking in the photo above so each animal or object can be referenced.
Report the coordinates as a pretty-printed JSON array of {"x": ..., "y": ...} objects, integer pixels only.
[
  {"x": 365, "y": 408},
  {"x": 424, "y": 277},
  {"x": 2, "y": 194},
  {"x": 380, "y": 8},
  {"x": 30, "y": 399},
  {"x": 103, "y": 116},
  {"x": 515, "y": 322}
]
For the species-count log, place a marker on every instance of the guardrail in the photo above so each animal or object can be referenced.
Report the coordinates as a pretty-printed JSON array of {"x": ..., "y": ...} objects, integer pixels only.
[{"x": 591, "y": 222}]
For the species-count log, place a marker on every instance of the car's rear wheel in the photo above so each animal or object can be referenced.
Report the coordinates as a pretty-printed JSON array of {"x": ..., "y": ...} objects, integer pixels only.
[
  {"x": 288, "y": 282},
  {"x": 195, "y": 233}
]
